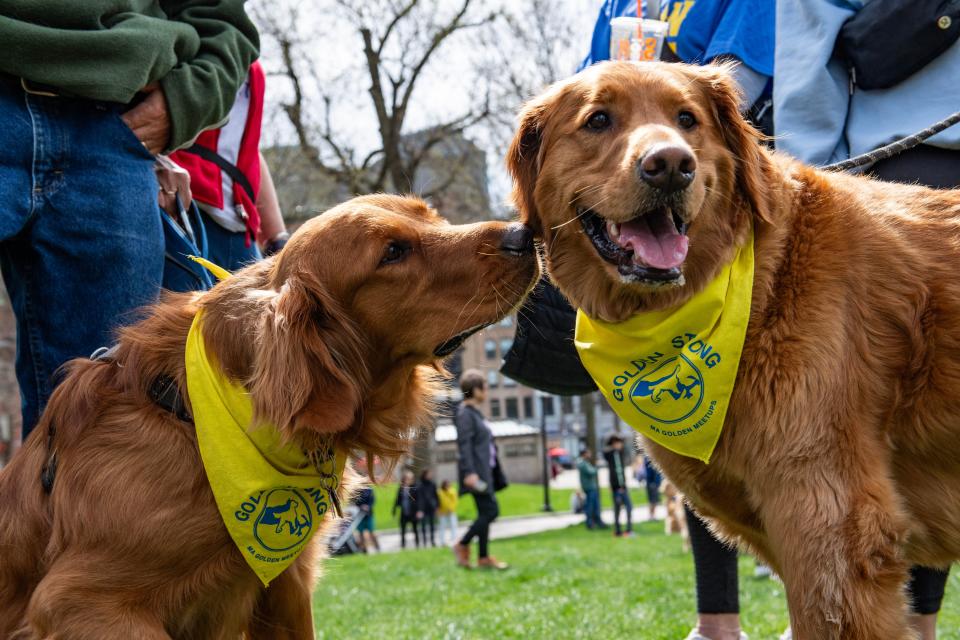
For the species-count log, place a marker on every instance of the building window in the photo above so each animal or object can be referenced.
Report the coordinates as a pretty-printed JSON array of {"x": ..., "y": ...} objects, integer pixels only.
[
  {"x": 493, "y": 380},
  {"x": 490, "y": 349},
  {"x": 507, "y": 322},
  {"x": 513, "y": 409},
  {"x": 494, "y": 407},
  {"x": 509, "y": 382},
  {"x": 445, "y": 455},
  {"x": 566, "y": 405},
  {"x": 528, "y": 407},
  {"x": 520, "y": 449},
  {"x": 505, "y": 345},
  {"x": 547, "y": 404}
]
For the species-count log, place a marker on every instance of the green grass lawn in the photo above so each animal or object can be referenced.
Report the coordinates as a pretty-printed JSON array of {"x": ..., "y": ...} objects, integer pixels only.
[
  {"x": 515, "y": 500},
  {"x": 569, "y": 583}
]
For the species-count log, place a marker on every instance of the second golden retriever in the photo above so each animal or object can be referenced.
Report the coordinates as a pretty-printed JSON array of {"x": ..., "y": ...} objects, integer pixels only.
[
  {"x": 109, "y": 527},
  {"x": 839, "y": 462}
]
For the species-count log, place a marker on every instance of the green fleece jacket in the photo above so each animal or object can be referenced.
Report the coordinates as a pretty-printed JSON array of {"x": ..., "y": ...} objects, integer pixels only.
[{"x": 198, "y": 50}]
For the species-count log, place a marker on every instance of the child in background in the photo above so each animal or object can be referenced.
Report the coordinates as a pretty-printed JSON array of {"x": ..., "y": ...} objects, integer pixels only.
[{"x": 447, "y": 512}]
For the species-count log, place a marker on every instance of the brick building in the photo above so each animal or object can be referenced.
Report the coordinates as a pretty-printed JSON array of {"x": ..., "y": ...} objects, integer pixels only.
[{"x": 9, "y": 391}]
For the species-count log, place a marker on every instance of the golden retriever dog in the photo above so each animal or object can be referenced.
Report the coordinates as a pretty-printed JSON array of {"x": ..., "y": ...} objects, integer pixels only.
[
  {"x": 839, "y": 460},
  {"x": 337, "y": 336}
]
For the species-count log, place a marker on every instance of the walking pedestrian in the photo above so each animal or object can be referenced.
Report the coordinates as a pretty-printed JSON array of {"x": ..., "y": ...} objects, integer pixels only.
[
  {"x": 613, "y": 453},
  {"x": 476, "y": 462},
  {"x": 427, "y": 503},
  {"x": 406, "y": 503}
]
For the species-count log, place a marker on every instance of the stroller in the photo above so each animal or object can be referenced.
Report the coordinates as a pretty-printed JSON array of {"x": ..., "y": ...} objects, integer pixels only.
[{"x": 342, "y": 540}]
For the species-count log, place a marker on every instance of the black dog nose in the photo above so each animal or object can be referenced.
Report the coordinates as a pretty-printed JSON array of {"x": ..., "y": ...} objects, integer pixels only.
[
  {"x": 668, "y": 168},
  {"x": 517, "y": 239}
]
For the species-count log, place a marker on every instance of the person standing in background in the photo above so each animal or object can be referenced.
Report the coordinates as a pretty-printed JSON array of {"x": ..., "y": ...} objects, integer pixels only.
[
  {"x": 652, "y": 479},
  {"x": 366, "y": 529},
  {"x": 407, "y": 503},
  {"x": 591, "y": 490},
  {"x": 476, "y": 460},
  {"x": 616, "y": 465},
  {"x": 427, "y": 503},
  {"x": 448, "y": 513},
  {"x": 90, "y": 92}
]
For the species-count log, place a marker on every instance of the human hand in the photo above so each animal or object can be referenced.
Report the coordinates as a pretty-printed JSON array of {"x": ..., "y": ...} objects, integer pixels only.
[
  {"x": 419, "y": 515},
  {"x": 173, "y": 179},
  {"x": 275, "y": 244},
  {"x": 150, "y": 120},
  {"x": 470, "y": 481}
]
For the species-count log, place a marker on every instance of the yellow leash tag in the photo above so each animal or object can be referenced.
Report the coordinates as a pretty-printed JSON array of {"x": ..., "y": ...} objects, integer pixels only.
[
  {"x": 271, "y": 496},
  {"x": 218, "y": 272},
  {"x": 669, "y": 374}
]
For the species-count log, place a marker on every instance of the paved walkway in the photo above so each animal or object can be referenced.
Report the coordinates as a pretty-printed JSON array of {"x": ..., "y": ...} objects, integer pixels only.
[{"x": 521, "y": 526}]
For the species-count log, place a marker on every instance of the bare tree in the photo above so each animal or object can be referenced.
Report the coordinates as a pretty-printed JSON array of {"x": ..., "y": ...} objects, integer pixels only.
[
  {"x": 397, "y": 42},
  {"x": 537, "y": 43}
]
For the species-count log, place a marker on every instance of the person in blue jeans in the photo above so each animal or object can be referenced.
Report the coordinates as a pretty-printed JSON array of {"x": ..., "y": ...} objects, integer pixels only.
[
  {"x": 591, "y": 490},
  {"x": 88, "y": 94}
]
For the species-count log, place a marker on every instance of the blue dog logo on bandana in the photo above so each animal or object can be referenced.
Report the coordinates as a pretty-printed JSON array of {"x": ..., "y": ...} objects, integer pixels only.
[
  {"x": 284, "y": 521},
  {"x": 671, "y": 392}
]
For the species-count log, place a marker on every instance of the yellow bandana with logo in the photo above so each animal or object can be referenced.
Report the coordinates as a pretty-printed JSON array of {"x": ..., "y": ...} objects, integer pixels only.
[
  {"x": 270, "y": 495},
  {"x": 669, "y": 374}
]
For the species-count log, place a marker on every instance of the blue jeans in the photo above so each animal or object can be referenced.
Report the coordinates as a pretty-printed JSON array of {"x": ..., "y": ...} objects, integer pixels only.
[
  {"x": 228, "y": 249},
  {"x": 80, "y": 239},
  {"x": 591, "y": 507},
  {"x": 622, "y": 500}
]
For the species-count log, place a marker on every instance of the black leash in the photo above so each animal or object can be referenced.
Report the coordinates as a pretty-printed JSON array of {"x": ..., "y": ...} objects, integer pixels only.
[
  {"x": 892, "y": 149},
  {"x": 164, "y": 392}
]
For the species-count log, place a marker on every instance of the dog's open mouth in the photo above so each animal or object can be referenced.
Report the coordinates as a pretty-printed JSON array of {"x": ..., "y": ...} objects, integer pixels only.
[
  {"x": 449, "y": 346},
  {"x": 650, "y": 247}
]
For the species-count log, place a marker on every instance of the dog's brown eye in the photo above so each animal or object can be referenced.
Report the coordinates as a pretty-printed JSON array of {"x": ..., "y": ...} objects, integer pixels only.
[
  {"x": 686, "y": 120},
  {"x": 396, "y": 251},
  {"x": 598, "y": 121}
]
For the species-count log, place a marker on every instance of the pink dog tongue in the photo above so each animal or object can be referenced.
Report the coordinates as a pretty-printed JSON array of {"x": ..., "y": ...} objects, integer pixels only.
[{"x": 655, "y": 240}]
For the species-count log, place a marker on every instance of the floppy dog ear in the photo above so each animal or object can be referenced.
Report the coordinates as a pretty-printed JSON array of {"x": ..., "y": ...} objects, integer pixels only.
[
  {"x": 523, "y": 162},
  {"x": 308, "y": 369},
  {"x": 741, "y": 138}
]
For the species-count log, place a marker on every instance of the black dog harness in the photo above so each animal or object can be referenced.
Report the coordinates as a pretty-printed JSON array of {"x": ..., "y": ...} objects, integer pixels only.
[{"x": 163, "y": 391}]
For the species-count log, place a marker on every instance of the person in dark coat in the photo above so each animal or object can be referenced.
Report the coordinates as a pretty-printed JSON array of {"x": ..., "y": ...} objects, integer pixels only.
[
  {"x": 427, "y": 502},
  {"x": 476, "y": 462},
  {"x": 366, "y": 528},
  {"x": 408, "y": 505},
  {"x": 617, "y": 465}
]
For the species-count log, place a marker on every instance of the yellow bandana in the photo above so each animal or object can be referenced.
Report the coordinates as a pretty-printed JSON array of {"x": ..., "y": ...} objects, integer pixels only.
[
  {"x": 669, "y": 374},
  {"x": 270, "y": 495}
]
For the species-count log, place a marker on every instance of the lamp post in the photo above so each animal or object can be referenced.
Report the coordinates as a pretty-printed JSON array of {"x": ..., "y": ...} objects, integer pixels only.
[{"x": 546, "y": 455}]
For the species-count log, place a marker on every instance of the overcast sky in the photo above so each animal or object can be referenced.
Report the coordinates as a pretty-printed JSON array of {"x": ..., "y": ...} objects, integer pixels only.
[{"x": 443, "y": 91}]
